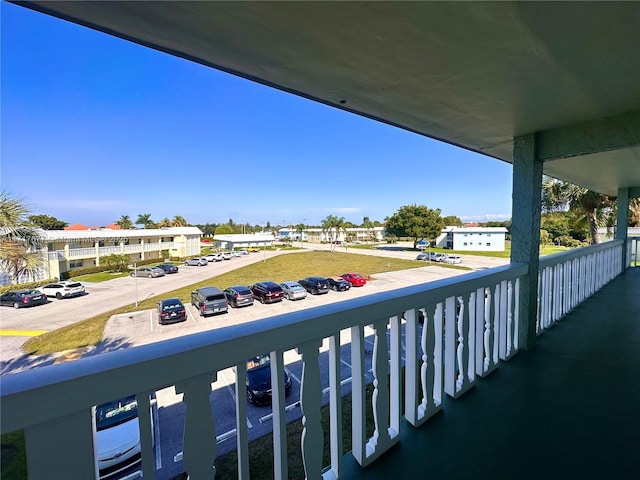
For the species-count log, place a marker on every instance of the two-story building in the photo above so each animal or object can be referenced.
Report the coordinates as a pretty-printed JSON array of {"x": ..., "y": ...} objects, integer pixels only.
[
  {"x": 490, "y": 239},
  {"x": 68, "y": 249}
]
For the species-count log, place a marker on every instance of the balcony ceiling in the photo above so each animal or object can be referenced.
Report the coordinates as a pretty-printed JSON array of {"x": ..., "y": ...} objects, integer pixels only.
[{"x": 473, "y": 74}]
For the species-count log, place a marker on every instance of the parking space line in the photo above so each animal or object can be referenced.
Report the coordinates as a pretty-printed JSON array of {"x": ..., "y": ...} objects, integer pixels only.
[{"x": 295, "y": 378}]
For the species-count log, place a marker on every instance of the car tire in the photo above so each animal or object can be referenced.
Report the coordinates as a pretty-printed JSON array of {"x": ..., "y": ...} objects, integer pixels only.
[
  {"x": 16, "y": 305},
  {"x": 250, "y": 398},
  {"x": 58, "y": 295},
  {"x": 149, "y": 276},
  {"x": 133, "y": 274}
]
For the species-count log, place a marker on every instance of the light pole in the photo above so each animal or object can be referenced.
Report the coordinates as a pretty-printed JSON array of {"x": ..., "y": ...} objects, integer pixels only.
[{"x": 135, "y": 280}]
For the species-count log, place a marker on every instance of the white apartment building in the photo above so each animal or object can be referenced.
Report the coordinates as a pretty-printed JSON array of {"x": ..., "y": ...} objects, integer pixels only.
[
  {"x": 490, "y": 239},
  {"x": 68, "y": 249}
]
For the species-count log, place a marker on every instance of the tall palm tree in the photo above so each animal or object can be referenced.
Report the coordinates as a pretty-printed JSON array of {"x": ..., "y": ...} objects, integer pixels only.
[
  {"x": 179, "y": 221},
  {"x": 634, "y": 212},
  {"x": 592, "y": 207},
  {"x": 165, "y": 222},
  {"x": 145, "y": 220},
  {"x": 125, "y": 222},
  {"x": 333, "y": 226},
  {"x": 20, "y": 242}
]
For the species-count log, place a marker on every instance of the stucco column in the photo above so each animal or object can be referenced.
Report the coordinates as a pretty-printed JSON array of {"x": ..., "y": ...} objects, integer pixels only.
[
  {"x": 622, "y": 221},
  {"x": 525, "y": 230},
  {"x": 96, "y": 245}
]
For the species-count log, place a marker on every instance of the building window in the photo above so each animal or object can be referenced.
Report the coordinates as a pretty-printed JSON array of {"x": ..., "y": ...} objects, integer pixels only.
[
  {"x": 488, "y": 244},
  {"x": 464, "y": 244},
  {"x": 75, "y": 263}
]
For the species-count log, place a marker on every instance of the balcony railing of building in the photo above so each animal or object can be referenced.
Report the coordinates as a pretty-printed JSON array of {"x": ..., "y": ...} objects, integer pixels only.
[
  {"x": 455, "y": 332},
  {"x": 90, "y": 252}
]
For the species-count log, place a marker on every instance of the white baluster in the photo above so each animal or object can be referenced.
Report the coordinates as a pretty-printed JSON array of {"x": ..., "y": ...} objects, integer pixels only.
[
  {"x": 412, "y": 366},
  {"x": 358, "y": 415},
  {"x": 145, "y": 426},
  {"x": 466, "y": 372},
  {"x": 199, "y": 444},
  {"x": 312, "y": 441},
  {"x": 380, "y": 399},
  {"x": 335, "y": 408},
  {"x": 280, "y": 468},
  {"x": 242, "y": 434}
]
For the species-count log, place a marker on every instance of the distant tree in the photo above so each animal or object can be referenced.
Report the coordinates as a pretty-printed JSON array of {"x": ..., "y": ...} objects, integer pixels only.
[
  {"x": 224, "y": 230},
  {"x": 300, "y": 230},
  {"x": 416, "y": 221},
  {"x": 634, "y": 212},
  {"x": 47, "y": 222},
  {"x": 144, "y": 219},
  {"x": 556, "y": 224},
  {"x": 545, "y": 240},
  {"x": 125, "y": 222},
  {"x": 452, "y": 221},
  {"x": 20, "y": 241},
  {"x": 333, "y": 225},
  {"x": 593, "y": 207},
  {"x": 164, "y": 223},
  {"x": 179, "y": 221},
  {"x": 368, "y": 225}
]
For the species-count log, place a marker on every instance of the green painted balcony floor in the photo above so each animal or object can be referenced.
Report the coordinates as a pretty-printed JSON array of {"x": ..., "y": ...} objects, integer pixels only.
[{"x": 568, "y": 409}]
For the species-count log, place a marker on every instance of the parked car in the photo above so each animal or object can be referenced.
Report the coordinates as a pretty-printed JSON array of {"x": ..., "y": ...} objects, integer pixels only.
[
  {"x": 197, "y": 262},
  {"x": 338, "y": 284},
  {"x": 259, "y": 380},
  {"x": 422, "y": 256},
  {"x": 168, "y": 268},
  {"x": 243, "y": 251},
  {"x": 315, "y": 285},
  {"x": 171, "y": 310},
  {"x": 26, "y": 297},
  {"x": 209, "y": 300},
  {"x": 213, "y": 257},
  {"x": 267, "y": 292},
  {"x": 437, "y": 257},
  {"x": 64, "y": 289},
  {"x": 355, "y": 279},
  {"x": 453, "y": 259},
  {"x": 118, "y": 438},
  {"x": 238, "y": 296},
  {"x": 227, "y": 255},
  {"x": 293, "y": 291},
  {"x": 149, "y": 272}
]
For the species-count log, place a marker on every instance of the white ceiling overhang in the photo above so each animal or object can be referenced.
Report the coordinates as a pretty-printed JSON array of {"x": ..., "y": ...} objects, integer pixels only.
[{"x": 473, "y": 74}]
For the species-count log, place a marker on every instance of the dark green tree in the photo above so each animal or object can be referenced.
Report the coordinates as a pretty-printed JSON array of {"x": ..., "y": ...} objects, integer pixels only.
[
  {"x": 416, "y": 221},
  {"x": 452, "y": 221},
  {"x": 47, "y": 222}
]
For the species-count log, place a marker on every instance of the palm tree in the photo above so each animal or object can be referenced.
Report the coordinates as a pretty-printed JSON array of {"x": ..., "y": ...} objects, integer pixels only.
[
  {"x": 20, "y": 242},
  {"x": 634, "y": 212},
  {"x": 145, "y": 220},
  {"x": 592, "y": 207},
  {"x": 165, "y": 222},
  {"x": 333, "y": 225},
  {"x": 125, "y": 222},
  {"x": 179, "y": 221}
]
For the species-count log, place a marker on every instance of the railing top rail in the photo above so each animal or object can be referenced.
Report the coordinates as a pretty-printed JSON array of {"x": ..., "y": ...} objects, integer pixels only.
[
  {"x": 560, "y": 257},
  {"x": 97, "y": 379}
]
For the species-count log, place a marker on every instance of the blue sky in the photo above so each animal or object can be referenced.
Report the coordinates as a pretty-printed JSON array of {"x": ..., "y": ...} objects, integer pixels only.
[{"x": 94, "y": 127}]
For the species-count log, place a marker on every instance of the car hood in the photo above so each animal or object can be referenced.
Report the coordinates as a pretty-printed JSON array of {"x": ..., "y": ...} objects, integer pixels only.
[
  {"x": 259, "y": 378},
  {"x": 118, "y": 438}
]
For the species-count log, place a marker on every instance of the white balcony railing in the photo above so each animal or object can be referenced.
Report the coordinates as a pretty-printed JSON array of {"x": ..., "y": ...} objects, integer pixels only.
[
  {"x": 455, "y": 331},
  {"x": 566, "y": 279},
  {"x": 89, "y": 252},
  {"x": 633, "y": 252}
]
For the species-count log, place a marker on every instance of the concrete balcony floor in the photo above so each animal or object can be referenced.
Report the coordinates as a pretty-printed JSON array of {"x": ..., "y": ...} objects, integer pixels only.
[{"x": 567, "y": 409}]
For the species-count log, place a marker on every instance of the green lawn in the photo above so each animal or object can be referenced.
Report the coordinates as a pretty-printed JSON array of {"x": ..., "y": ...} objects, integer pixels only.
[{"x": 281, "y": 268}]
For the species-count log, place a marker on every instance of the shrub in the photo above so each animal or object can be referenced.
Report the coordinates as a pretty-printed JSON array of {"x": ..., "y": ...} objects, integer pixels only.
[{"x": 568, "y": 241}]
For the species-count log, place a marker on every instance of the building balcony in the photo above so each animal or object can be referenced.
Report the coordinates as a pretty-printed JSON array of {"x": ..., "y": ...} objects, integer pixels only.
[{"x": 454, "y": 393}]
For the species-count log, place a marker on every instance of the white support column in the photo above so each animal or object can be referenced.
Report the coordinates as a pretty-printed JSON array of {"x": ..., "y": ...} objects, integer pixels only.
[
  {"x": 525, "y": 230},
  {"x": 622, "y": 221}
]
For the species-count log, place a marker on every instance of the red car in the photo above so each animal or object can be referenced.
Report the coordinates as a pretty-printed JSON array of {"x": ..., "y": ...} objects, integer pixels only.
[{"x": 355, "y": 279}]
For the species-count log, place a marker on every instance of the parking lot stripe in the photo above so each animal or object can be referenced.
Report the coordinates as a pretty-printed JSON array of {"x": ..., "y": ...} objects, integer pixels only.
[{"x": 22, "y": 333}]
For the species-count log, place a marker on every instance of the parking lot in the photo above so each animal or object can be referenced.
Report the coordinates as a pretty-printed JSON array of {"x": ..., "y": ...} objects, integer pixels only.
[{"x": 139, "y": 328}]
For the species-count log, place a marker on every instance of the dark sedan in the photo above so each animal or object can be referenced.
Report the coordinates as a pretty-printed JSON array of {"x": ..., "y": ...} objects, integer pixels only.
[
  {"x": 23, "y": 298},
  {"x": 238, "y": 296},
  {"x": 315, "y": 285},
  {"x": 171, "y": 310},
  {"x": 168, "y": 268},
  {"x": 259, "y": 380},
  {"x": 338, "y": 284}
]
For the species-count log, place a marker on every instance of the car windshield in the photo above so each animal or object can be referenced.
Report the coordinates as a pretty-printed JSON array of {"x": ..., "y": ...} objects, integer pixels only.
[
  {"x": 24, "y": 293},
  {"x": 114, "y": 413},
  {"x": 73, "y": 285},
  {"x": 171, "y": 306},
  {"x": 258, "y": 362}
]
